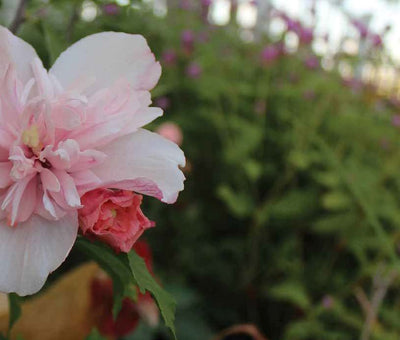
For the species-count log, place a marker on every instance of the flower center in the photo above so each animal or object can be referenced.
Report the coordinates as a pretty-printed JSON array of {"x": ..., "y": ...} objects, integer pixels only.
[{"x": 31, "y": 138}]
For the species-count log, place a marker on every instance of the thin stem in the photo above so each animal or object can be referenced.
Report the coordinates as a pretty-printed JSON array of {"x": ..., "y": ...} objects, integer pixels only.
[{"x": 19, "y": 16}]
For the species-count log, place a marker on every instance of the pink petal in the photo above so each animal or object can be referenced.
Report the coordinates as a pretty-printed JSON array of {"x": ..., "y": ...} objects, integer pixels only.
[
  {"x": 107, "y": 57},
  {"x": 144, "y": 162},
  {"x": 32, "y": 250},
  {"x": 5, "y": 179},
  {"x": 17, "y": 52},
  {"x": 49, "y": 180}
]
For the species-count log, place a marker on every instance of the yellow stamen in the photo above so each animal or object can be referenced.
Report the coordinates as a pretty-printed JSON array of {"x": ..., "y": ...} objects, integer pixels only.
[
  {"x": 30, "y": 138},
  {"x": 113, "y": 213}
]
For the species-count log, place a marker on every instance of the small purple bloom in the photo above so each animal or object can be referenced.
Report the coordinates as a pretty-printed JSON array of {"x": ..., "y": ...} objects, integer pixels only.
[
  {"x": 162, "y": 102},
  {"x": 187, "y": 38},
  {"x": 111, "y": 9},
  {"x": 361, "y": 27},
  {"x": 206, "y": 3},
  {"x": 396, "y": 120},
  {"x": 376, "y": 40},
  {"x": 327, "y": 302},
  {"x": 185, "y": 5},
  {"x": 270, "y": 53},
  {"x": 193, "y": 70},
  {"x": 312, "y": 62},
  {"x": 169, "y": 57},
  {"x": 306, "y": 35}
]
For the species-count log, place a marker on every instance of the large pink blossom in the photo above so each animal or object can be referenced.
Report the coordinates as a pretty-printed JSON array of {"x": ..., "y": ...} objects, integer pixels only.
[{"x": 65, "y": 132}]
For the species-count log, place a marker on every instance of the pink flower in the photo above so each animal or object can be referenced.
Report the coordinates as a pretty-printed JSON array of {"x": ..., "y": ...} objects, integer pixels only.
[
  {"x": 361, "y": 27},
  {"x": 111, "y": 9},
  {"x": 311, "y": 62},
  {"x": 193, "y": 70},
  {"x": 169, "y": 57},
  {"x": 172, "y": 132},
  {"x": 396, "y": 120},
  {"x": 270, "y": 53},
  {"x": 114, "y": 217},
  {"x": 66, "y": 132},
  {"x": 187, "y": 39},
  {"x": 163, "y": 102},
  {"x": 306, "y": 35}
]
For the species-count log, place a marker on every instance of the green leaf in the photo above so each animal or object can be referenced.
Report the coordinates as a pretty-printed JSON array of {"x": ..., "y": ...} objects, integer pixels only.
[
  {"x": 116, "y": 266},
  {"x": 95, "y": 335},
  {"x": 145, "y": 281},
  {"x": 292, "y": 292},
  {"x": 14, "y": 302}
]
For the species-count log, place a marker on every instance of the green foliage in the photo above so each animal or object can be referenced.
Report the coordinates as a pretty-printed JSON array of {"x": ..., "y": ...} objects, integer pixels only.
[
  {"x": 95, "y": 335},
  {"x": 146, "y": 282},
  {"x": 14, "y": 302},
  {"x": 292, "y": 193},
  {"x": 128, "y": 271}
]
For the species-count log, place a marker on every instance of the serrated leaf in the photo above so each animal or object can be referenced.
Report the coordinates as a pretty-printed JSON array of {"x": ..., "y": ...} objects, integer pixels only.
[
  {"x": 146, "y": 282},
  {"x": 14, "y": 302},
  {"x": 116, "y": 266}
]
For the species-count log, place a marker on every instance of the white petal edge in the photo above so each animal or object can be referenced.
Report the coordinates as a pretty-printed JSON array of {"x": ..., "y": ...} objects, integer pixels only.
[
  {"x": 107, "y": 57},
  {"x": 17, "y": 52},
  {"x": 143, "y": 162},
  {"x": 32, "y": 250}
]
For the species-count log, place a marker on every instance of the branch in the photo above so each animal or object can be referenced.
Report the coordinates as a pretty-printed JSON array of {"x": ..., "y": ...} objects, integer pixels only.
[{"x": 19, "y": 17}]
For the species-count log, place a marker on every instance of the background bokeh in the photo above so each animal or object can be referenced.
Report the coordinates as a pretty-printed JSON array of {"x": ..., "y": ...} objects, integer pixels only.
[{"x": 288, "y": 113}]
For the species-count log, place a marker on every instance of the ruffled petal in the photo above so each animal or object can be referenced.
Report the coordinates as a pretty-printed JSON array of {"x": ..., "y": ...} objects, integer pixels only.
[
  {"x": 32, "y": 250},
  {"x": 143, "y": 162},
  {"x": 107, "y": 57}
]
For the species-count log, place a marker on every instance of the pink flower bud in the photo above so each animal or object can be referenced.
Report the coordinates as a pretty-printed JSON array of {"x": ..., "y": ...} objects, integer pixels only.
[
  {"x": 114, "y": 217},
  {"x": 171, "y": 131}
]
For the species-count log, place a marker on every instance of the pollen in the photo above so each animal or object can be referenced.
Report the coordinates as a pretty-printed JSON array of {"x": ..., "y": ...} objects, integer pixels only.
[
  {"x": 30, "y": 137},
  {"x": 113, "y": 213}
]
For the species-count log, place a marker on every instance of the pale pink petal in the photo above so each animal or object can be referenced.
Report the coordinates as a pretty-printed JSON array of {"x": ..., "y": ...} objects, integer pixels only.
[
  {"x": 5, "y": 179},
  {"x": 16, "y": 52},
  {"x": 21, "y": 199},
  {"x": 32, "y": 250},
  {"x": 68, "y": 189},
  {"x": 49, "y": 180},
  {"x": 143, "y": 162},
  {"x": 107, "y": 57}
]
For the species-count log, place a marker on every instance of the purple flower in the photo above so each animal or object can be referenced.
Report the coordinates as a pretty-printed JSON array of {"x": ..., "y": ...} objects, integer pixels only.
[
  {"x": 111, "y": 9},
  {"x": 270, "y": 53},
  {"x": 193, "y": 70},
  {"x": 327, "y": 302},
  {"x": 306, "y": 35},
  {"x": 169, "y": 57},
  {"x": 185, "y": 5},
  {"x": 361, "y": 27},
  {"x": 162, "y": 102},
  {"x": 312, "y": 62},
  {"x": 206, "y": 3},
  {"x": 376, "y": 40},
  {"x": 187, "y": 38}
]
